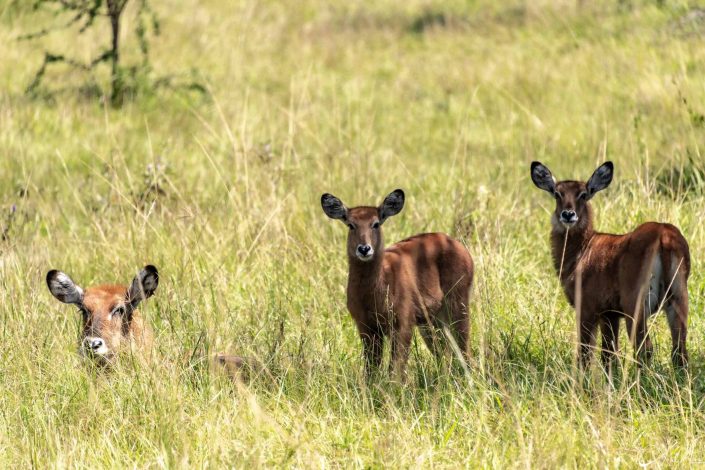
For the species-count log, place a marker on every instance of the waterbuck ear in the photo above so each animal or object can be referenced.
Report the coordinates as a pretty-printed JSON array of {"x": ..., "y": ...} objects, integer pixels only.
[
  {"x": 143, "y": 286},
  {"x": 542, "y": 177},
  {"x": 392, "y": 205},
  {"x": 63, "y": 288},
  {"x": 333, "y": 207},
  {"x": 600, "y": 179}
]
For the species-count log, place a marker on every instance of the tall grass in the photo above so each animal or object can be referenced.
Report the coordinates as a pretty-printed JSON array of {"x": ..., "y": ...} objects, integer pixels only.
[{"x": 448, "y": 100}]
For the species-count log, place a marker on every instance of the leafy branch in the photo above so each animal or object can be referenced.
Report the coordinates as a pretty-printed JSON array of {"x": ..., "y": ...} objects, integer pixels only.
[{"x": 85, "y": 14}]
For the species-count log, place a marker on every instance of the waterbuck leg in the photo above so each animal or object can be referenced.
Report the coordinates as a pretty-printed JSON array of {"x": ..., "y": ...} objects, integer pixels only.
[
  {"x": 677, "y": 310},
  {"x": 372, "y": 344},
  {"x": 610, "y": 340},
  {"x": 401, "y": 344},
  {"x": 587, "y": 340}
]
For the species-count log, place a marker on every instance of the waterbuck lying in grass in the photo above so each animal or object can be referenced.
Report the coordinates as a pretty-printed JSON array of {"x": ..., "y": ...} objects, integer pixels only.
[
  {"x": 424, "y": 280},
  {"x": 607, "y": 277},
  {"x": 111, "y": 321}
]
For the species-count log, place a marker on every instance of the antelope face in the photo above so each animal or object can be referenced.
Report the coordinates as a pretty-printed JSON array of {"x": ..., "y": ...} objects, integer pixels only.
[
  {"x": 107, "y": 311},
  {"x": 364, "y": 223},
  {"x": 571, "y": 196}
]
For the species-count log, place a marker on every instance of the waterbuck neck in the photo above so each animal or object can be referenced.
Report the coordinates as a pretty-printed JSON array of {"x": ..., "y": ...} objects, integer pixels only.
[
  {"x": 575, "y": 245},
  {"x": 365, "y": 275}
]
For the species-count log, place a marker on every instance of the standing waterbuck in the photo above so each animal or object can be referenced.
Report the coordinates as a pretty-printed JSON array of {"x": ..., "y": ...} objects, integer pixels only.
[
  {"x": 111, "y": 321},
  {"x": 424, "y": 280},
  {"x": 607, "y": 277}
]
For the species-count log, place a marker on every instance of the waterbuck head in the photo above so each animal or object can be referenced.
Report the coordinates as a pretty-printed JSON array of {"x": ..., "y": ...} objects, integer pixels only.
[
  {"x": 572, "y": 208},
  {"x": 365, "y": 223},
  {"x": 109, "y": 312}
]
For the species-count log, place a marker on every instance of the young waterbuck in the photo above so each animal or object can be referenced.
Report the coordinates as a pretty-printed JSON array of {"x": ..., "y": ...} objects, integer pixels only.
[
  {"x": 607, "y": 277},
  {"x": 111, "y": 321},
  {"x": 424, "y": 280}
]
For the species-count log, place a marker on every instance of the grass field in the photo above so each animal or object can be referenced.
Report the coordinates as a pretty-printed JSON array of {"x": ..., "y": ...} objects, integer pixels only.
[{"x": 450, "y": 101}]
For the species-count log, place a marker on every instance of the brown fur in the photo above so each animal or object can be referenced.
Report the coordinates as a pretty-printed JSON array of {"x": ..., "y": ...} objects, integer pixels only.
[
  {"x": 120, "y": 332},
  {"x": 111, "y": 321},
  {"x": 618, "y": 274},
  {"x": 424, "y": 280},
  {"x": 238, "y": 368}
]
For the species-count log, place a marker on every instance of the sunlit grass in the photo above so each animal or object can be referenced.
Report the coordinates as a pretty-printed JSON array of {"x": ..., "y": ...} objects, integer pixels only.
[{"x": 449, "y": 101}]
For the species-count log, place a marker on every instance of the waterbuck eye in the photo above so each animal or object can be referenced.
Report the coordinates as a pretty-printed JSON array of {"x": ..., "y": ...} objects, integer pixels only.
[
  {"x": 557, "y": 195},
  {"x": 582, "y": 195},
  {"x": 375, "y": 225},
  {"x": 351, "y": 226},
  {"x": 119, "y": 310}
]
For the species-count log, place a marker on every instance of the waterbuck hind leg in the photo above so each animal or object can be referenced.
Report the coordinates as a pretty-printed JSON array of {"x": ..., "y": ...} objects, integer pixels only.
[
  {"x": 677, "y": 314},
  {"x": 452, "y": 319},
  {"x": 677, "y": 304},
  {"x": 636, "y": 307},
  {"x": 638, "y": 334},
  {"x": 401, "y": 345},
  {"x": 433, "y": 338},
  {"x": 456, "y": 304}
]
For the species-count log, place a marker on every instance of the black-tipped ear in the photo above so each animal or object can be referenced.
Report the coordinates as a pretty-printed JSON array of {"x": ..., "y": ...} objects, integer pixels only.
[
  {"x": 333, "y": 207},
  {"x": 600, "y": 179},
  {"x": 542, "y": 177},
  {"x": 392, "y": 205},
  {"x": 143, "y": 286},
  {"x": 63, "y": 288}
]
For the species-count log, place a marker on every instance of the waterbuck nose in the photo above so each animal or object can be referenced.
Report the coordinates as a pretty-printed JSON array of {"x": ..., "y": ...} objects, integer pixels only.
[
  {"x": 94, "y": 344},
  {"x": 364, "y": 250},
  {"x": 568, "y": 215}
]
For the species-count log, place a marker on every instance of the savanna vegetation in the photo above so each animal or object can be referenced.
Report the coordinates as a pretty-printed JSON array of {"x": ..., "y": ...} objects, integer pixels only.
[{"x": 220, "y": 189}]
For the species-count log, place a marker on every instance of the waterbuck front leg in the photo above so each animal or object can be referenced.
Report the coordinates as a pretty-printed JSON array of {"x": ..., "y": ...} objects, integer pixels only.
[
  {"x": 588, "y": 325},
  {"x": 372, "y": 345}
]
